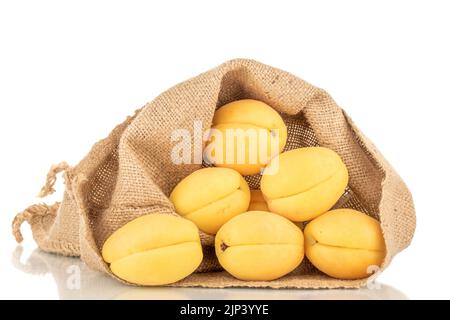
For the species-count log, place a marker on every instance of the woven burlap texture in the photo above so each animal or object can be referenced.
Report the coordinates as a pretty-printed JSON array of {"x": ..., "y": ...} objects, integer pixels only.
[{"x": 130, "y": 173}]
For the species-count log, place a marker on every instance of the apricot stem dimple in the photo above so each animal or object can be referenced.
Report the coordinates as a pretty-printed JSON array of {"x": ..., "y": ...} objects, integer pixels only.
[
  {"x": 311, "y": 240},
  {"x": 223, "y": 246}
]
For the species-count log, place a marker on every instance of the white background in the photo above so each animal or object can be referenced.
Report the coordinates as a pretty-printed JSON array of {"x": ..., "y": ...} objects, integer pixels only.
[{"x": 71, "y": 71}]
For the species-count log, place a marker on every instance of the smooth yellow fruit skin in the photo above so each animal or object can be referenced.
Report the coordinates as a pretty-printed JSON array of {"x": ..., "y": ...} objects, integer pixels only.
[
  {"x": 304, "y": 182},
  {"x": 249, "y": 114},
  {"x": 344, "y": 243},
  {"x": 154, "y": 249},
  {"x": 210, "y": 197},
  {"x": 259, "y": 245},
  {"x": 257, "y": 201}
]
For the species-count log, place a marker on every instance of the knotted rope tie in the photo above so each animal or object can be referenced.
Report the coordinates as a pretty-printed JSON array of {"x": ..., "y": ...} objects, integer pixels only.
[
  {"x": 39, "y": 210},
  {"x": 51, "y": 178},
  {"x": 35, "y": 210}
]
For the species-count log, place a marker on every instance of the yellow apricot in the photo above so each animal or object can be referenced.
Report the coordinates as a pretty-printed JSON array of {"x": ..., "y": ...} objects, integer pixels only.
[
  {"x": 154, "y": 249},
  {"x": 251, "y": 134},
  {"x": 259, "y": 245},
  {"x": 344, "y": 243},
  {"x": 210, "y": 197},
  {"x": 257, "y": 201},
  {"x": 303, "y": 183}
]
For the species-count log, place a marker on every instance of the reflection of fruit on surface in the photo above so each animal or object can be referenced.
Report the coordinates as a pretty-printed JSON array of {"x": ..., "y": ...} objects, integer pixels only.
[
  {"x": 257, "y": 201},
  {"x": 304, "y": 182},
  {"x": 154, "y": 249},
  {"x": 251, "y": 133},
  {"x": 344, "y": 243},
  {"x": 259, "y": 245},
  {"x": 210, "y": 197},
  {"x": 153, "y": 293}
]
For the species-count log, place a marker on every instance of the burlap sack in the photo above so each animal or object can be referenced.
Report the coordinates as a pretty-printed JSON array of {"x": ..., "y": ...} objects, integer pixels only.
[{"x": 130, "y": 173}]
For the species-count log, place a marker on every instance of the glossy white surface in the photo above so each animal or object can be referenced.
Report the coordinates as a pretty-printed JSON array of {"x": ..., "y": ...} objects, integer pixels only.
[{"x": 71, "y": 279}]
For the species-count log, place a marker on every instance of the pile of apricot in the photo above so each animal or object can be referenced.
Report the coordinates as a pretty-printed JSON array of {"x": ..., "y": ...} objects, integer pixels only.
[{"x": 257, "y": 232}]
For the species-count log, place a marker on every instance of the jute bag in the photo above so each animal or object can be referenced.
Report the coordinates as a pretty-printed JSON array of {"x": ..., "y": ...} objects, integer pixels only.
[{"x": 130, "y": 173}]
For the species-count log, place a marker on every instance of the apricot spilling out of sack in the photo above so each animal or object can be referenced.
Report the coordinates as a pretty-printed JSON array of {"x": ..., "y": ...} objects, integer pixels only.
[
  {"x": 345, "y": 244},
  {"x": 154, "y": 249},
  {"x": 210, "y": 197},
  {"x": 257, "y": 201},
  {"x": 303, "y": 183},
  {"x": 259, "y": 245},
  {"x": 245, "y": 135}
]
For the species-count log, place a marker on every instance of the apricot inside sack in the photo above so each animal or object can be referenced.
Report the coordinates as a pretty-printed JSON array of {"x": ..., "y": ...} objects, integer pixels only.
[
  {"x": 154, "y": 249},
  {"x": 304, "y": 183},
  {"x": 257, "y": 201},
  {"x": 259, "y": 245},
  {"x": 210, "y": 197},
  {"x": 245, "y": 135},
  {"x": 345, "y": 244}
]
